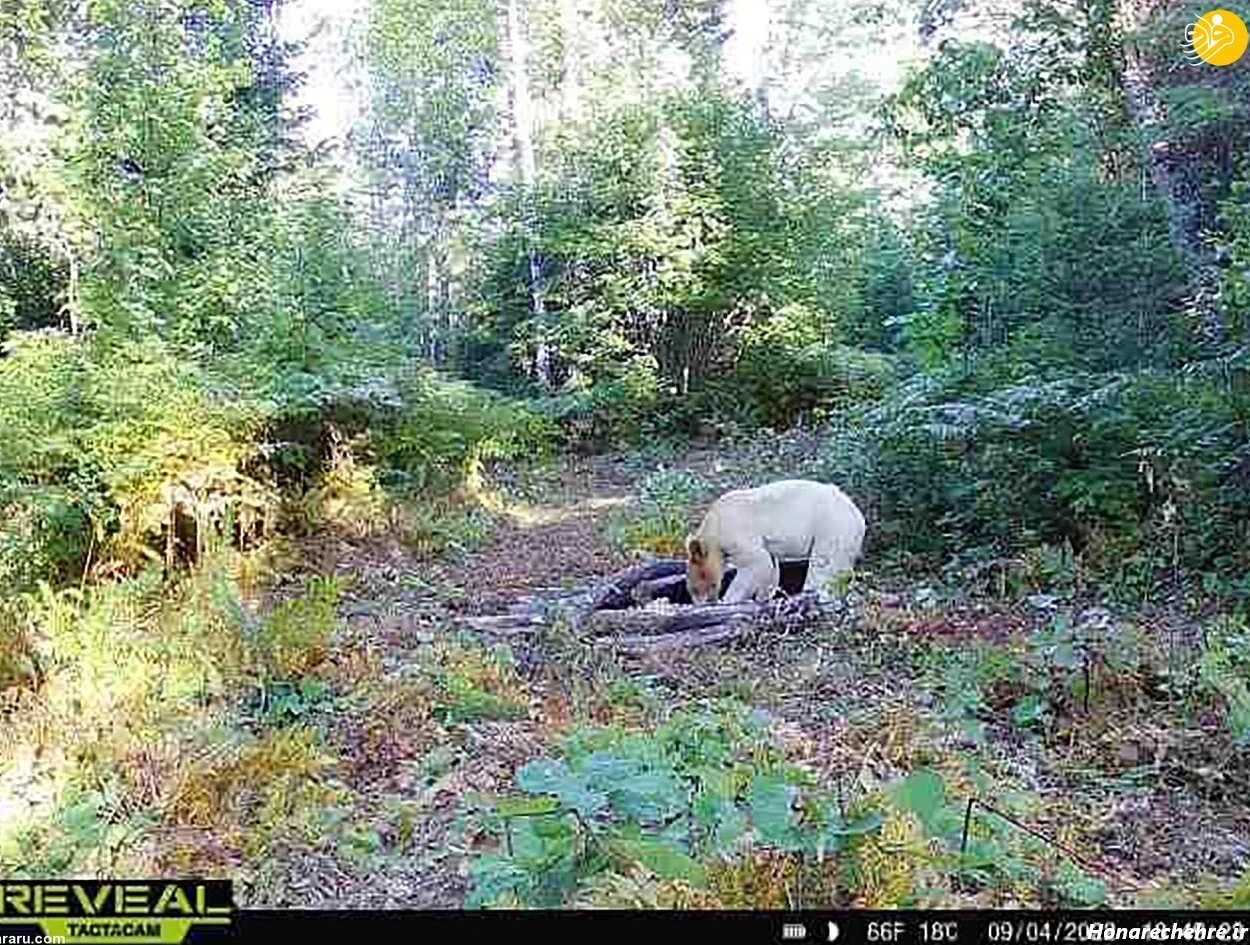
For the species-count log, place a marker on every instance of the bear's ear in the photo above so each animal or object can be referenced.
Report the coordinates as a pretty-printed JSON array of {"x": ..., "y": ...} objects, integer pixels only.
[{"x": 694, "y": 549}]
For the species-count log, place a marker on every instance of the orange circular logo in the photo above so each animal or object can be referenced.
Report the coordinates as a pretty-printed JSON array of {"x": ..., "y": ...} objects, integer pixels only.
[{"x": 1219, "y": 38}]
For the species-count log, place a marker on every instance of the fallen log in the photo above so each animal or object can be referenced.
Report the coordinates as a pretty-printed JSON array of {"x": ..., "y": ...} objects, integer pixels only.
[
  {"x": 617, "y": 592},
  {"x": 650, "y": 622},
  {"x": 647, "y": 607},
  {"x": 671, "y": 589},
  {"x": 634, "y": 644}
]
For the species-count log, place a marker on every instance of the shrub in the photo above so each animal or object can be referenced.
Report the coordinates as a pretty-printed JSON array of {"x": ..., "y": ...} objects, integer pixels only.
[
  {"x": 660, "y": 520},
  {"x": 113, "y": 456},
  {"x": 788, "y": 367},
  {"x": 1076, "y": 459},
  {"x": 446, "y": 429},
  {"x": 613, "y": 409}
]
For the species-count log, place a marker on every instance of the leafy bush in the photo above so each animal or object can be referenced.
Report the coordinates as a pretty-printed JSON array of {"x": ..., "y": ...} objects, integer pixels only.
[
  {"x": 708, "y": 784},
  {"x": 1136, "y": 467},
  {"x": 997, "y": 853},
  {"x": 788, "y": 367},
  {"x": 102, "y": 447},
  {"x": 446, "y": 429},
  {"x": 613, "y": 409},
  {"x": 295, "y": 637},
  {"x": 1224, "y": 673},
  {"x": 472, "y": 684},
  {"x": 130, "y": 731}
]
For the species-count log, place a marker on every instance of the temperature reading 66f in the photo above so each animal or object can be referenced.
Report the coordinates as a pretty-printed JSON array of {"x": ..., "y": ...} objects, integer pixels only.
[{"x": 939, "y": 933}]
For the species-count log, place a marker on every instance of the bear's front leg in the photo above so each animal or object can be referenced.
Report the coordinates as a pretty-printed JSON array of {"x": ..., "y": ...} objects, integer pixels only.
[
  {"x": 757, "y": 578},
  {"x": 824, "y": 565}
]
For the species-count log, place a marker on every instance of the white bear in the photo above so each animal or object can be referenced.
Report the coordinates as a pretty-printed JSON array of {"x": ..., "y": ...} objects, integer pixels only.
[{"x": 754, "y": 529}]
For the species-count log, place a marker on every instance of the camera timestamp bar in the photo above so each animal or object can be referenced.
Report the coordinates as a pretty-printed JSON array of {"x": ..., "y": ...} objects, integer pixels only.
[
  {"x": 769, "y": 928},
  {"x": 1010, "y": 928}
]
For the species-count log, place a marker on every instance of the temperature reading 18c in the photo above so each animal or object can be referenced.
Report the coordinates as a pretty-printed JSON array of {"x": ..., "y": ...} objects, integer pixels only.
[{"x": 939, "y": 933}]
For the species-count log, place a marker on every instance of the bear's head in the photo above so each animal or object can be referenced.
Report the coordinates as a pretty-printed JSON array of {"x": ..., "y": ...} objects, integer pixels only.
[{"x": 704, "y": 570}]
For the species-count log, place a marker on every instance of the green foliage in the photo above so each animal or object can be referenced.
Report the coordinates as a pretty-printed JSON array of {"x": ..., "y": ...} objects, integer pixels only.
[
  {"x": 446, "y": 429},
  {"x": 98, "y": 447},
  {"x": 703, "y": 786},
  {"x": 1237, "y": 897},
  {"x": 1224, "y": 673},
  {"x": 620, "y": 407},
  {"x": 660, "y": 520},
  {"x": 1138, "y": 457},
  {"x": 1030, "y": 682},
  {"x": 72, "y": 837},
  {"x": 997, "y": 853},
  {"x": 675, "y": 249},
  {"x": 33, "y": 283},
  {"x": 102, "y": 446},
  {"x": 295, "y": 637},
  {"x": 789, "y": 368}
]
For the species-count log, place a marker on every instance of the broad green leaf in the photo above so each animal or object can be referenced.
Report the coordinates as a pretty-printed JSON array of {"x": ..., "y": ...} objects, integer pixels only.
[
  {"x": 1028, "y": 710},
  {"x": 492, "y": 877},
  {"x": 542, "y": 776},
  {"x": 1080, "y": 888},
  {"x": 603, "y": 769},
  {"x": 546, "y": 776},
  {"x": 731, "y": 828},
  {"x": 526, "y": 806},
  {"x": 663, "y": 860},
  {"x": 923, "y": 793},
  {"x": 771, "y": 801}
]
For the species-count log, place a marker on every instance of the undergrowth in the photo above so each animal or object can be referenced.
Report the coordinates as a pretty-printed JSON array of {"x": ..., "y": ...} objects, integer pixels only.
[
  {"x": 659, "y": 521},
  {"x": 708, "y": 812},
  {"x": 143, "y": 724}
]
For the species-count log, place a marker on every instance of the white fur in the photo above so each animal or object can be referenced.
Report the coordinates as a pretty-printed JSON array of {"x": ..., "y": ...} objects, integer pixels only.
[{"x": 788, "y": 520}]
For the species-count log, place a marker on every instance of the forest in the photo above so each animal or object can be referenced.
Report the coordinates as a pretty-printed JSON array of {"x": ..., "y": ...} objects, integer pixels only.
[{"x": 331, "y": 334}]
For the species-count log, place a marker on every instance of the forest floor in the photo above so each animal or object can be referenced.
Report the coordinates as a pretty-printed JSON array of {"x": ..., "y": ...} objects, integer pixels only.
[{"x": 1143, "y": 796}]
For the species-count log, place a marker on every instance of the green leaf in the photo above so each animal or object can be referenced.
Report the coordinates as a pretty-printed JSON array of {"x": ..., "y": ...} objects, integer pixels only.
[
  {"x": 492, "y": 877},
  {"x": 922, "y": 793},
  {"x": 649, "y": 794},
  {"x": 660, "y": 858},
  {"x": 603, "y": 768},
  {"x": 1028, "y": 710},
  {"x": 867, "y": 824},
  {"x": 526, "y": 806},
  {"x": 548, "y": 776},
  {"x": 1080, "y": 888},
  {"x": 732, "y": 827},
  {"x": 771, "y": 803},
  {"x": 542, "y": 776}
]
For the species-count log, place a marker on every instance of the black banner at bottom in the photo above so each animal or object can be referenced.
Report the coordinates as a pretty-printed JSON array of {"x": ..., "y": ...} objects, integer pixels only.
[
  {"x": 781, "y": 928},
  {"x": 136, "y": 920}
]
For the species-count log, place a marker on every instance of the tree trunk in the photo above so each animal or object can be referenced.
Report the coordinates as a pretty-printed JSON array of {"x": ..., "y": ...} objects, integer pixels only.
[
  {"x": 523, "y": 135},
  {"x": 1174, "y": 171},
  {"x": 571, "y": 81}
]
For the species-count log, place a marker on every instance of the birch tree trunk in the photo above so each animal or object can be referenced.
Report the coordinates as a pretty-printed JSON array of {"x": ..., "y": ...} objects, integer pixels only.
[
  {"x": 571, "y": 81},
  {"x": 523, "y": 135}
]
